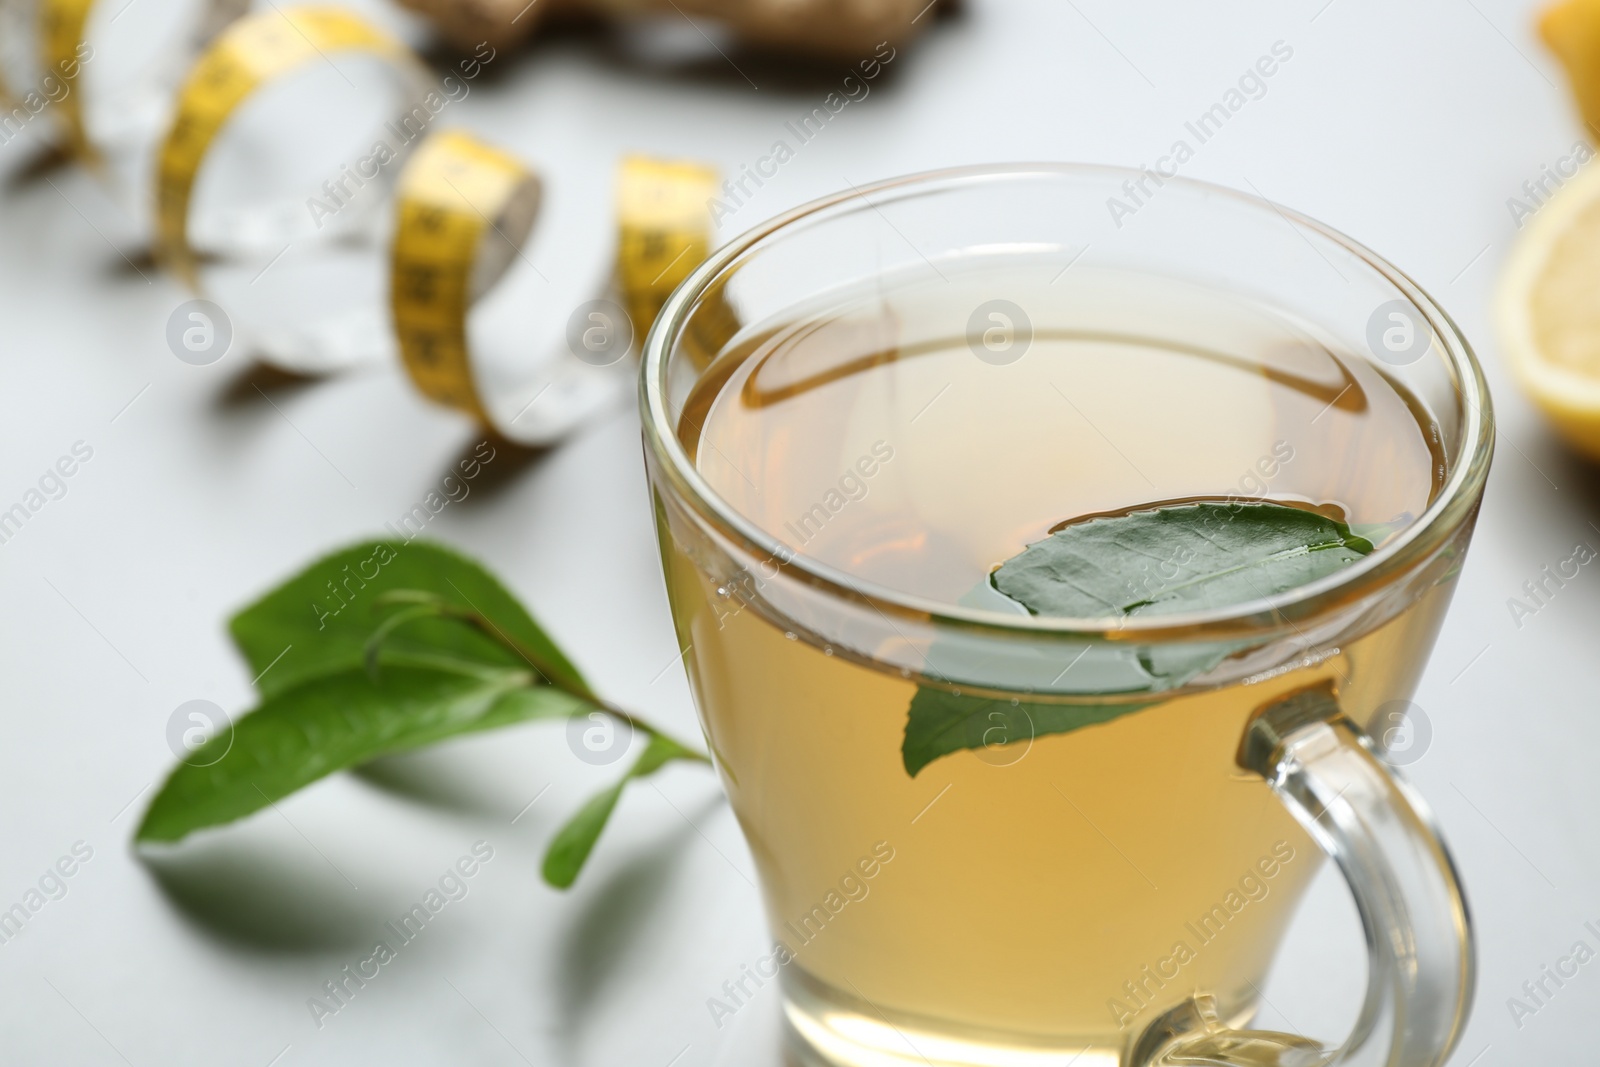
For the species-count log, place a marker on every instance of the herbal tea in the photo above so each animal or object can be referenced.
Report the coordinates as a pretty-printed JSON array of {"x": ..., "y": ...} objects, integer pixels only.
[{"x": 991, "y": 438}]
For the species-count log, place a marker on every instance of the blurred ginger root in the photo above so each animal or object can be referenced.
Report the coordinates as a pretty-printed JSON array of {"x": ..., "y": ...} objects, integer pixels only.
[{"x": 844, "y": 28}]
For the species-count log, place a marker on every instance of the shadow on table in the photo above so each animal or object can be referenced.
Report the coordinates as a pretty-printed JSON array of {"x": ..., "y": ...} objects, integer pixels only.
[
  {"x": 487, "y": 478},
  {"x": 486, "y": 465},
  {"x": 1567, "y": 467},
  {"x": 1538, "y": 477},
  {"x": 612, "y": 920},
  {"x": 43, "y": 165},
  {"x": 444, "y": 780},
  {"x": 250, "y": 894},
  {"x": 673, "y": 49},
  {"x": 259, "y": 385}
]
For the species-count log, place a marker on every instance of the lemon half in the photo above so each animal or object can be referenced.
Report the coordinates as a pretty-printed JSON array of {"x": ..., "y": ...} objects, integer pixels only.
[
  {"x": 1548, "y": 310},
  {"x": 1572, "y": 31}
]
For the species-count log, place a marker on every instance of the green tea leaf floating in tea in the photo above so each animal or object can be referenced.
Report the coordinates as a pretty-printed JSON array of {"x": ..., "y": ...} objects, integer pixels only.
[
  {"x": 377, "y": 649},
  {"x": 945, "y": 721},
  {"x": 1191, "y": 557},
  {"x": 1168, "y": 560}
]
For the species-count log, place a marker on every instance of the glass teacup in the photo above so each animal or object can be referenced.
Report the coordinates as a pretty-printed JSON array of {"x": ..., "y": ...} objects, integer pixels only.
[{"x": 987, "y": 836}]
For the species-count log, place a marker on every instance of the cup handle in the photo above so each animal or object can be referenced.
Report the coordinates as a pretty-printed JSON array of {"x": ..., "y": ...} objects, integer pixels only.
[{"x": 1421, "y": 960}]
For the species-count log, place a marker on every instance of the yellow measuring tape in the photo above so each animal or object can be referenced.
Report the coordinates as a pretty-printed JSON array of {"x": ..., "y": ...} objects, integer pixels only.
[
  {"x": 464, "y": 210},
  {"x": 63, "y": 26},
  {"x": 665, "y": 231},
  {"x": 455, "y": 194},
  {"x": 249, "y": 53}
]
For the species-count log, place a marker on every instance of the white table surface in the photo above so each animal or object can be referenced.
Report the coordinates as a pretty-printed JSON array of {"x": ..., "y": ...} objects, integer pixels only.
[{"x": 1407, "y": 126}]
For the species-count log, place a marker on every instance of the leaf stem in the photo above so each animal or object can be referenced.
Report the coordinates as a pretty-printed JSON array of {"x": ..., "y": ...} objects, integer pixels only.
[{"x": 553, "y": 676}]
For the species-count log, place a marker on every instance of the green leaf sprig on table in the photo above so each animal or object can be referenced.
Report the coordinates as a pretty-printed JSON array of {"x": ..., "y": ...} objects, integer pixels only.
[
  {"x": 377, "y": 649},
  {"x": 1166, "y": 560}
]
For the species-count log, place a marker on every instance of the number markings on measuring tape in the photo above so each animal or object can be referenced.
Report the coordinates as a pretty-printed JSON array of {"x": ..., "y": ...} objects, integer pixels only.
[
  {"x": 455, "y": 192},
  {"x": 248, "y": 54},
  {"x": 665, "y": 230}
]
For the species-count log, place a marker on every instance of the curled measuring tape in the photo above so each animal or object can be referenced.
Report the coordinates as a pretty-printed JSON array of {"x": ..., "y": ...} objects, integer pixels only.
[
  {"x": 61, "y": 33},
  {"x": 65, "y": 29},
  {"x": 664, "y": 231},
  {"x": 246, "y": 56},
  {"x": 463, "y": 212}
]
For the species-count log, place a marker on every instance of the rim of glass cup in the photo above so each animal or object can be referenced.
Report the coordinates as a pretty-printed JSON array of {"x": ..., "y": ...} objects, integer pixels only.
[{"x": 1453, "y": 505}]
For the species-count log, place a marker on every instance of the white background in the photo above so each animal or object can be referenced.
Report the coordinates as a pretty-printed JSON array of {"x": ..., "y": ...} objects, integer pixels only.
[{"x": 1407, "y": 126}]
